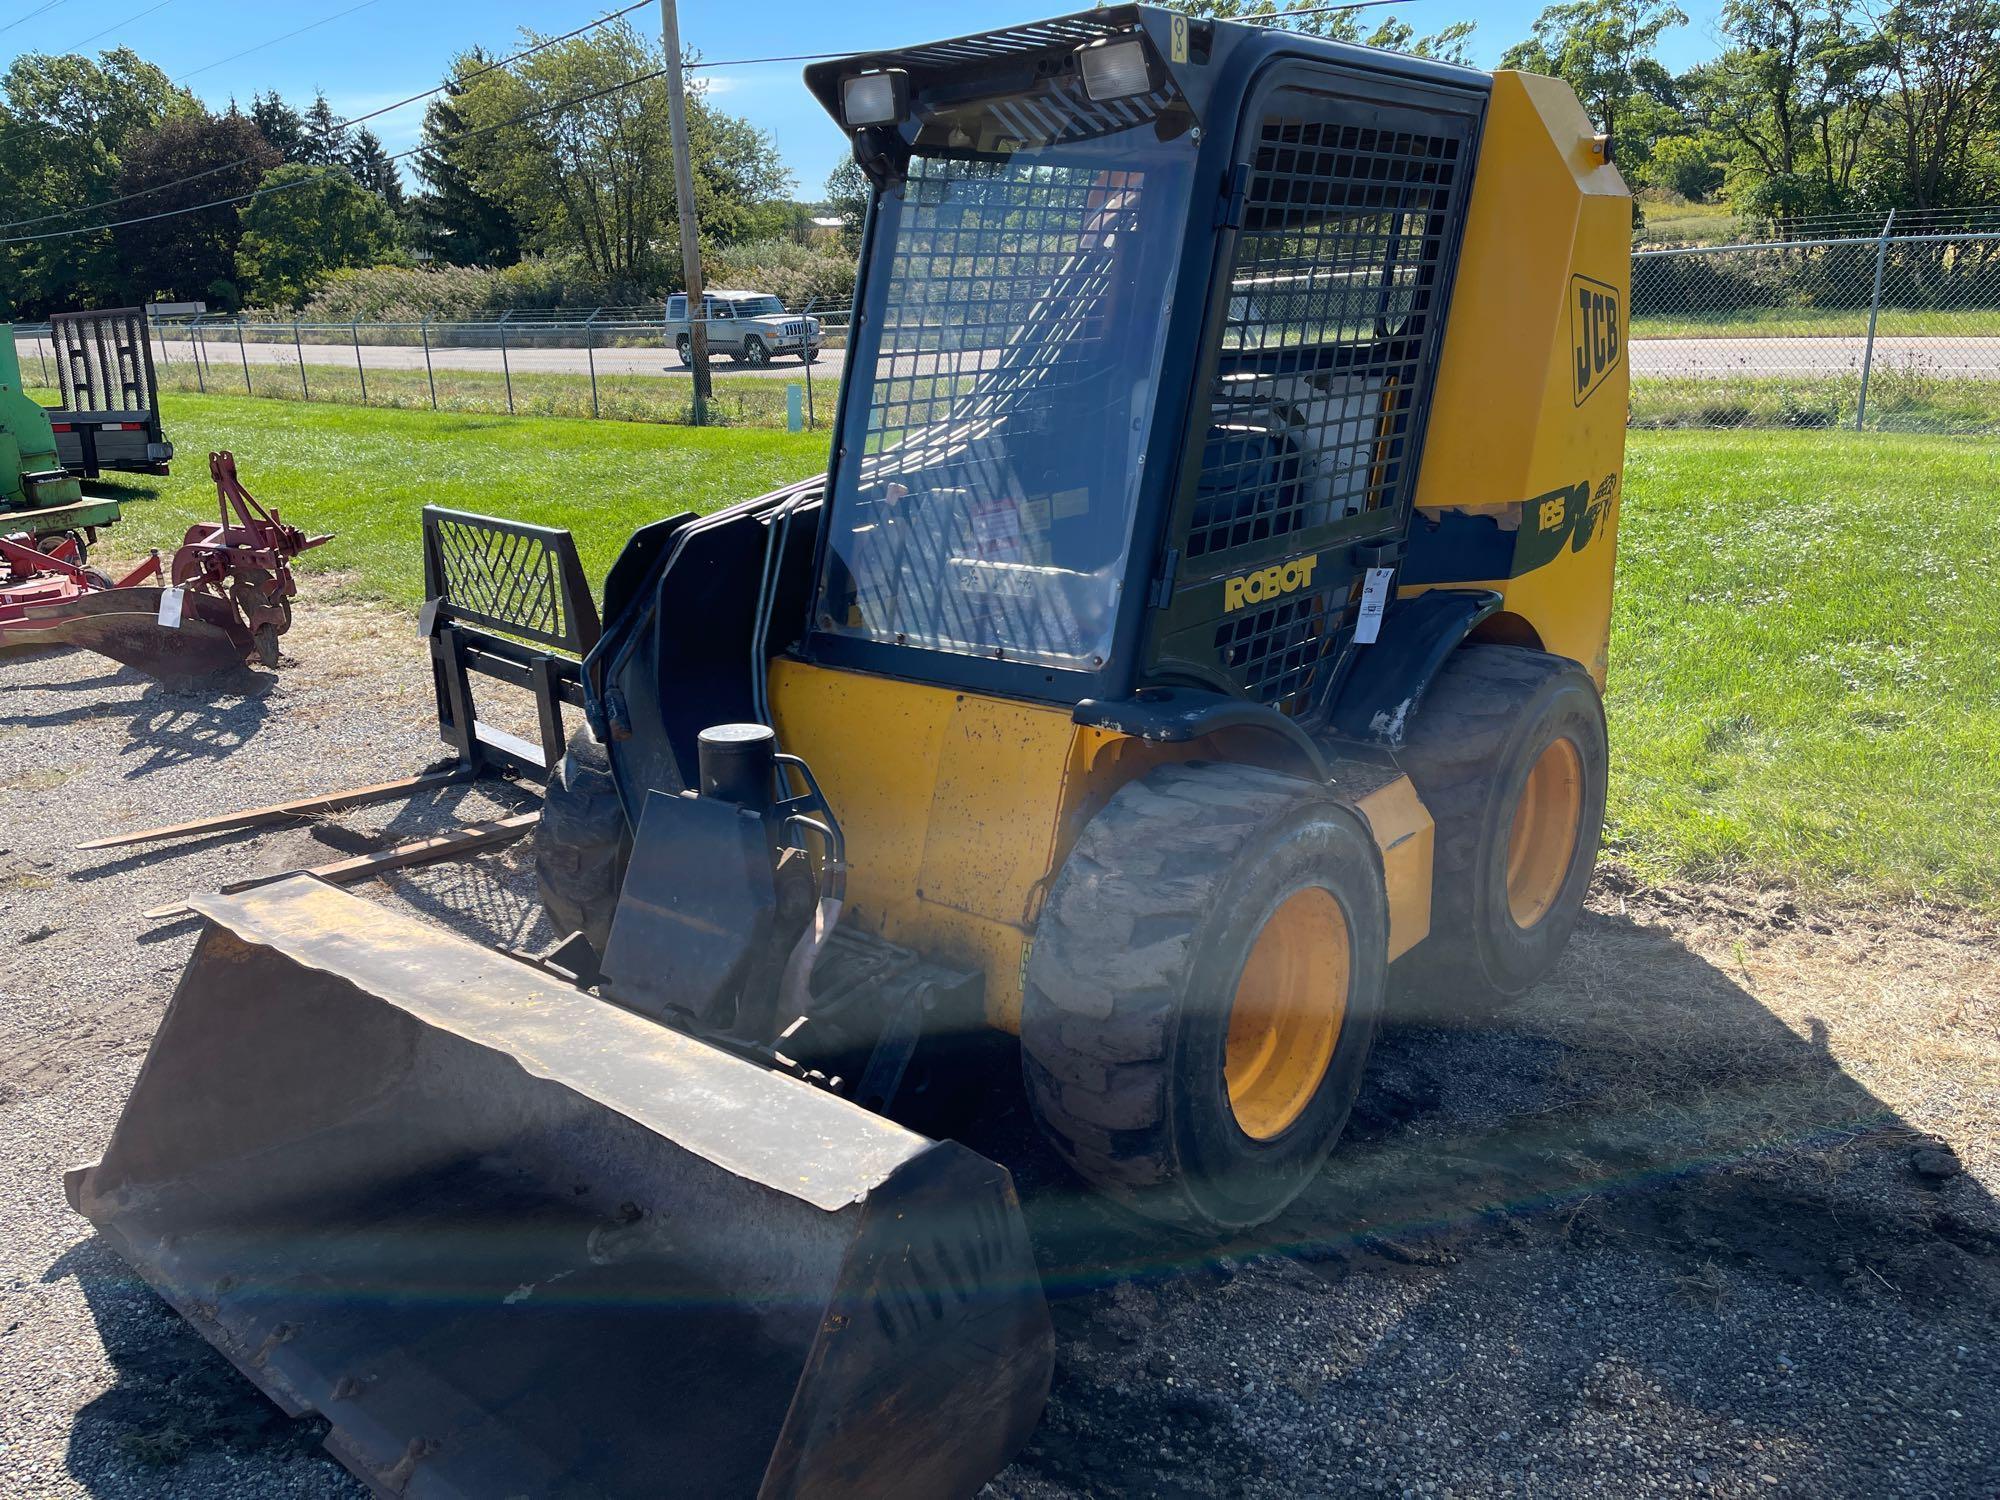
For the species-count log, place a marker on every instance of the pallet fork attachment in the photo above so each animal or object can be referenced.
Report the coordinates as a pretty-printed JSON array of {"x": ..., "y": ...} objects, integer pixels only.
[
  {"x": 489, "y": 586},
  {"x": 454, "y": 843}
]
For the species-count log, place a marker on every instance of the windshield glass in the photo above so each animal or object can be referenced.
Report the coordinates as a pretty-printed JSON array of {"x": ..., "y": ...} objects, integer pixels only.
[
  {"x": 759, "y": 307},
  {"x": 1019, "y": 282}
]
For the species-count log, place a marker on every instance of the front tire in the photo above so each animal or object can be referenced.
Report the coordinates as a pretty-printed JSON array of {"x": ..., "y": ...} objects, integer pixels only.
[
  {"x": 754, "y": 353},
  {"x": 1508, "y": 752},
  {"x": 1205, "y": 983},
  {"x": 581, "y": 843}
]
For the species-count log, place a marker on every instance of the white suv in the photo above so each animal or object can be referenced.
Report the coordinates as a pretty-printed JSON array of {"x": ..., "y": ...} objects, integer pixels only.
[{"x": 749, "y": 326}]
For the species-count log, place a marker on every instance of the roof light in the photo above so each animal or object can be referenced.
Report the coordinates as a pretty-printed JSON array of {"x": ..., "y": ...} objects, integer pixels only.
[
  {"x": 1116, "y": 68},
  {"x": 878, "y": 98}
]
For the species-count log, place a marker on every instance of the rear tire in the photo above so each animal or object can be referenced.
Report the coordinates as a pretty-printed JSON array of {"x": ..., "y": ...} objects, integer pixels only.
[
  {"x": 1142, "y": 1063},
  {"x": 582, "y": 843},
  {"x": 684, "y": 346},
  {"x": 1508, "y": 752}
]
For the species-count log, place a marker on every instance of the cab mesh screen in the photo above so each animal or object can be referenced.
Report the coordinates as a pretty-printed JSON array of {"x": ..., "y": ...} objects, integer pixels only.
[
  {"x": 999, "y": 270},
  {"x": 995, "y": 341},
  {"x": 1335, "y": 294}
]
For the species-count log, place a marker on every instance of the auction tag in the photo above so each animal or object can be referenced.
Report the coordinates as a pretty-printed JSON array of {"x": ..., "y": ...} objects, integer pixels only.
[
  {"x": 1374, "y": 599},
  {"x": 170, "y": 607}
]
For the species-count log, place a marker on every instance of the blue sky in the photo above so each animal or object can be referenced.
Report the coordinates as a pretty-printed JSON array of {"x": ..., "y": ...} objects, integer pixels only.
[{"x": 386, "y": 49}]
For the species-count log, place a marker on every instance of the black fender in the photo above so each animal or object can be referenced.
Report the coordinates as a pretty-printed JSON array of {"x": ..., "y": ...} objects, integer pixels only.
[
  {"x": 1389, "y": 678},
  {"x": 636, "y": 562},
  {"x": 1174, "y": 715},
  {"x": 676, "y": 652}
]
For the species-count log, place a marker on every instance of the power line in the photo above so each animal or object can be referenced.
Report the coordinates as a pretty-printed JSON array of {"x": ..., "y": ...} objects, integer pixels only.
[
  {"x": 745, "y": 62},
  {"x": 312, "y": 26},
  {"x": 38, "y": 10},
  {"x": 530, "y": 114},
  {"x": 116, "y": 25},
  {"x": 345, "y": 125}
]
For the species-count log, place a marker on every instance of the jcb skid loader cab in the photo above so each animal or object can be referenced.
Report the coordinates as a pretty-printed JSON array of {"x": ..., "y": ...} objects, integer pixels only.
[{"x": 1202, "y": 619}]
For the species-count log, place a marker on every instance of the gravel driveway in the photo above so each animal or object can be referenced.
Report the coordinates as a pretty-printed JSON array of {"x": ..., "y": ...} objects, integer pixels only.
[{"x": 1710, "y": 1213}]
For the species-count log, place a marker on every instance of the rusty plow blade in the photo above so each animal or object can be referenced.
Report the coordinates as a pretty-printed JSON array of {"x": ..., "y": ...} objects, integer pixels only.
[
  {"x": 508, "y": 1239},
  {"x": 124, "y": 625}
]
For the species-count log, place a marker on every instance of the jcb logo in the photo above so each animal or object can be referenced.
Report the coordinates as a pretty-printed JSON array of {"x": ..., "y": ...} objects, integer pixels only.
[
  {"x": 1596, "y": 333},
  {"x": 1267, "y": 583}
]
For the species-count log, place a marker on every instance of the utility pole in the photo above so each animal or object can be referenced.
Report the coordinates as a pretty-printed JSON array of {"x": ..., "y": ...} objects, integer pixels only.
[{"x": 670, "y": 39}]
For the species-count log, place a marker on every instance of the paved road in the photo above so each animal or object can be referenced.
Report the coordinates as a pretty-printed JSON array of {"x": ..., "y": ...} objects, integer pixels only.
[
  {"x": 1714, "y": 359},
  {"x": 222, "y": 354},
  {"x": 1683, "y": 359}
]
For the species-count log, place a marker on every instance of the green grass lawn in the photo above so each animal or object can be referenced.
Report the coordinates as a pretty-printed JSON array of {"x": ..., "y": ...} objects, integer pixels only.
[
  {"x": 365, "y": 474},
  {"x": 1803, "y": 682},
  {"x": 1799, "y": 322},
  {"x": 1903, "y": 396},
  {"x": 1803, "y": 676}
]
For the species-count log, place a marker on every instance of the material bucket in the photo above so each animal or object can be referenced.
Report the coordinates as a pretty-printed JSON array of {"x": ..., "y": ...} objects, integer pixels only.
[{"x": 510, "y": 1240}]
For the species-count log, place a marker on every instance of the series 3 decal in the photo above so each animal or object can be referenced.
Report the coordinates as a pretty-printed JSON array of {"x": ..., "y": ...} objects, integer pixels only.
[{"x": 1567, "y": 515}]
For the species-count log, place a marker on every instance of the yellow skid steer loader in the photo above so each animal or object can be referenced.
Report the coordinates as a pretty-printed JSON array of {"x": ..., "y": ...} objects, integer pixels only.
[{"x": 1199, "y": 627}]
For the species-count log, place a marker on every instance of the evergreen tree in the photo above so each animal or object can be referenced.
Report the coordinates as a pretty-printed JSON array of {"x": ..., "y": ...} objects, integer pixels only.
[
  {"x": 279, "y": 124},
  {"x": 326, "y": 142},
  {"x": 370, "y": 164},
  {"x": 454, "y": 220}
]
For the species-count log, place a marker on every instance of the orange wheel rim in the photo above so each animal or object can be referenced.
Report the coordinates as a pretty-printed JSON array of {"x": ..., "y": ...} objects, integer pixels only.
[
  {"x": 1285, "y": 1018},
  {"x": 1541, "y": 845}
]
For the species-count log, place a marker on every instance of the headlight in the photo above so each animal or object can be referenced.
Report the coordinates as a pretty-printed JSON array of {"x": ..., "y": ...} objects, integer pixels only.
[
  {"x": 880, "y": 98},
  {"x": 1116, "y": 68}
]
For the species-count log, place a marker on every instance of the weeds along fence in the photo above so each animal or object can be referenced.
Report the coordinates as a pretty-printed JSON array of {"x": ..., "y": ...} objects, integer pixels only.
[
  {"x": 1883, "y": 332},
  {"x": 620, "y": 364}
]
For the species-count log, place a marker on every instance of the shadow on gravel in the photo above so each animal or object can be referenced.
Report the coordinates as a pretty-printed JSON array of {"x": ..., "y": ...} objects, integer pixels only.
[
  {"x": 1640, "y": 1125},
  {"x": 170, "y": 725},
  {"x": 113, "y": 676},
  {"x": 1641, "y": 1104},
  {"x": 178, "y": 1401},
  {"x": 1639, "y": 1080},
  {"x": 175, "y": 725},
  {"x": 491, "y": 899}
]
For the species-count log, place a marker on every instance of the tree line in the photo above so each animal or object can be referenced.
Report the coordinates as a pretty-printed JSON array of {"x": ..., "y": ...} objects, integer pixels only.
[
  {"x": 1809, "y": 108},
  {"x": 552, "y": 174},
  {"x": 119, "y": 186}
]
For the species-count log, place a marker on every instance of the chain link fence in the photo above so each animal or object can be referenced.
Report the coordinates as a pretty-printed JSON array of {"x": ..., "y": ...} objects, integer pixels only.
[
  {"x": 1883, "y": 333},
  {"x": 617, "y": 363}
]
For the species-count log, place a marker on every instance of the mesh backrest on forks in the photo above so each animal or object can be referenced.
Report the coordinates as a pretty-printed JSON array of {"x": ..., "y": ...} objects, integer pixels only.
[{"x": 521, "y": 580}]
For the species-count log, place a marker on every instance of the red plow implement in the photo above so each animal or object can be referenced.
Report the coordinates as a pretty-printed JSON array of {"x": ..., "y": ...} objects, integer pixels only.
[{"x": 223, "y": 598}]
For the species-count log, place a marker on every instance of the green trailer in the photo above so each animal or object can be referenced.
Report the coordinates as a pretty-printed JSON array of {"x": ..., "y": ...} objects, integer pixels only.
[{"x": 38, "y": 496}]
